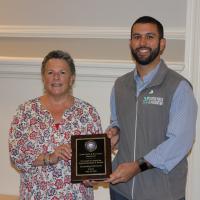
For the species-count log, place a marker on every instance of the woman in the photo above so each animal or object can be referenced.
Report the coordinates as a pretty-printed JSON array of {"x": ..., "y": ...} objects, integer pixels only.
[{"x": 39, "y": 137}]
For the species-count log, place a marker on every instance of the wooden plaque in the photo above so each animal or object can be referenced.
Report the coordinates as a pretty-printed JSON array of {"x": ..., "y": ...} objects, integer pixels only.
[{"x": 91, "y": 157}]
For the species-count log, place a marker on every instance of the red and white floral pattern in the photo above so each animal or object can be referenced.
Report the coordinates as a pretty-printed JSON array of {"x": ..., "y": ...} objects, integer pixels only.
[{"x": 33, "y": 132}]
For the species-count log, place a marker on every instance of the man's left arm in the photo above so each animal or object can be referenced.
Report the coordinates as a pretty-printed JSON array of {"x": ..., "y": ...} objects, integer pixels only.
[{"x": 180, "y": 131}]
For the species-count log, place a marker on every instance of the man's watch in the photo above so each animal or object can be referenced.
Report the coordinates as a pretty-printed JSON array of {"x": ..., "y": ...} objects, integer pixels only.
[{"x": 144, "y": 165}]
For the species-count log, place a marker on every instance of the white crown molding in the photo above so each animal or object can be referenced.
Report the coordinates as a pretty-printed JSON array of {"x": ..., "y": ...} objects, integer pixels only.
[
  {"x": 78, "y": 32},
  {"x": 86, "y": 69}
]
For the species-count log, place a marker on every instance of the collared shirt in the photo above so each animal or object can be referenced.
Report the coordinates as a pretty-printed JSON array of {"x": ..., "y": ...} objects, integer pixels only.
[{"x": 181, "y": 128}]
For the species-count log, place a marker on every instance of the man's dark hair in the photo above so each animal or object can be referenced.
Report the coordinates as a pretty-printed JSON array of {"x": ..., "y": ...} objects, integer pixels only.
[
  {"x": 150, "y": 20},
  {"x": 58, "y": 54}
]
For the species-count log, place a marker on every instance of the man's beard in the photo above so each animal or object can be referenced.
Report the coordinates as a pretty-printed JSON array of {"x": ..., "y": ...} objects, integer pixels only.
[{"x": 145, "y": 61}]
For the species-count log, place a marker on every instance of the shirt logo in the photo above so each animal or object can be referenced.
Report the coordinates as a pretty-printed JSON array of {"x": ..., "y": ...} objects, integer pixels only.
[
  {"x": 153, "y": 100},
  {"x": 151, "y": 92}
]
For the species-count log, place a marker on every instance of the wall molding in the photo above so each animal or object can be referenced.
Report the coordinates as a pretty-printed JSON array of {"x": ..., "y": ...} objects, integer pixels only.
[
  {"x": 86, "y": 69},
  {"x": 79, "y": 32},
  {"x": 192, "y": 60}
]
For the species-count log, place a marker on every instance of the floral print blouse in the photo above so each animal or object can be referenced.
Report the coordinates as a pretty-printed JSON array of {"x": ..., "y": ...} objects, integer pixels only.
[{"x": 33, "y": 132}]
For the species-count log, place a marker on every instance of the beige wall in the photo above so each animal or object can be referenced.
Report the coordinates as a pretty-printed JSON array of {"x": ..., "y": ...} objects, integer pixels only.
[
  {"x": 96, "y": 33},
  {"x": 87, "y": 29}
]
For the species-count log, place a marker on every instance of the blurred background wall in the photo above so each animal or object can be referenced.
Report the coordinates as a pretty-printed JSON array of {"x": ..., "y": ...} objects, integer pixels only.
[{"x": 96, "y": 34}]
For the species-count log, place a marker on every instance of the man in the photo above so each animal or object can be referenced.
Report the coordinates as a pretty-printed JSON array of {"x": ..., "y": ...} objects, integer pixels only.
[{"x": 153, "y": 115}]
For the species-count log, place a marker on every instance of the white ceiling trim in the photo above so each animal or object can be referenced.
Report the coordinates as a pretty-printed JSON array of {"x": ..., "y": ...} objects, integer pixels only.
[
  {"x": 86, "y": 69},
  {"x": 78, "y": 32}
]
